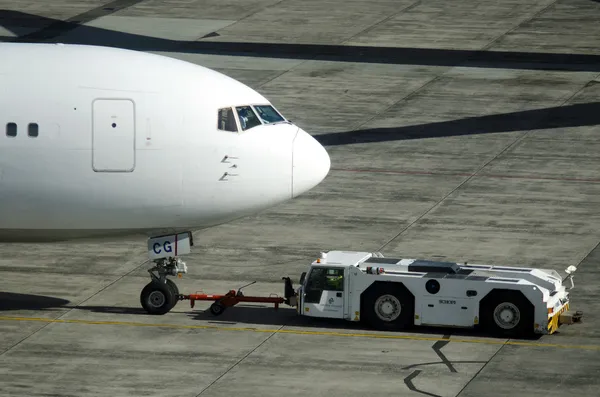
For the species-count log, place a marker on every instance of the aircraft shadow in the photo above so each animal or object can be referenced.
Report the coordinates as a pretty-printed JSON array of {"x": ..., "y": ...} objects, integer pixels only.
[
  {"x": 577, "y": 115},
  {"x": 16, "y": 301},
  {"x": 112, "y": 309},
  {"x": 33, "y": 28},
  {"x": 248, "y": 315}
]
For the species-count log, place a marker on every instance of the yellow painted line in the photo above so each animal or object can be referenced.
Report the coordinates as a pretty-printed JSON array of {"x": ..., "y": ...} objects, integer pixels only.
[{"x": 299, "y": 332}]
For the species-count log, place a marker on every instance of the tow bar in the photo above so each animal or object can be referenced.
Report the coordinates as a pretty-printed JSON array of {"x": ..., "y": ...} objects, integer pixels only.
[{"x": 232, "y": 298}]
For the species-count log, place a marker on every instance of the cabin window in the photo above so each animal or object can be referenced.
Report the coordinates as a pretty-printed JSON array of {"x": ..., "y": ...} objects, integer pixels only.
[
  {"x": 11, "y": 130},
  {"x": 248, "y": 118},
  {"x": 268, "y": 114},
  {"x": 32, "y": 130},
  {"x": 226, "y": 120}
]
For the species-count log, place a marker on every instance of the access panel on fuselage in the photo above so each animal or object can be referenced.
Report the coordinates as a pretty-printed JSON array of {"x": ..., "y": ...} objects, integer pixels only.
[{"x": 113, "y": 135}]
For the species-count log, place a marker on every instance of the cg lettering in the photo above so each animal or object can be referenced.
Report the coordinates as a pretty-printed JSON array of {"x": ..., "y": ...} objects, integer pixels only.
[{"x": 166, "y": 247}]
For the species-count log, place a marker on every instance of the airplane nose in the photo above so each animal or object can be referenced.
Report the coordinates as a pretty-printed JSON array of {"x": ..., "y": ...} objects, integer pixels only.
[{"x": 310, "y": 164}]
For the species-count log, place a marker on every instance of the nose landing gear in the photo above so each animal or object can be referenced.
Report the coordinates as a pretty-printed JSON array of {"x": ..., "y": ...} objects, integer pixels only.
[{"x": 161, "y": 294}]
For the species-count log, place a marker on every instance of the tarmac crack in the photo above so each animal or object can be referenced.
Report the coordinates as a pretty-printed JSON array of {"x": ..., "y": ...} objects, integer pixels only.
[
  {"x": 437, "y": 348},
  {"x": 411, "y": 386}
]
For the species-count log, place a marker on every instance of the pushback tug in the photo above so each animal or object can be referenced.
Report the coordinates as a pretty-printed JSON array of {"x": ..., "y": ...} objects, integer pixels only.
[{"x": 395, "y": 294}]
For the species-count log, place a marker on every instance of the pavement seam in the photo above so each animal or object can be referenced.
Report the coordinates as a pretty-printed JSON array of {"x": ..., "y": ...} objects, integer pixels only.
[
  {"x": 588, "y": 254},
  {"x": 241, "y": 19},
  {"x": 249, "y": 15},
  {"x": 239, "y": 361},
  {"x": 280, "y": 330},
  {"x": 408, "y": 96},
  {"x": 516, "y": 141},
  {"x": 253, "y": 13},
  {"x": 58, "y": 27},
  {"x": 281, "y": 74},
  {"x": 518, "y": 25},
  {"x": 519, "y": 139},
  {"x": 385, "y": 19},
  {"x": 571, "y": 97},
  {"x": 455, "y": 174},
  {"x": 464, "y": 63},
  {"x": 72, "y": 308},
  {"x": 480, "y": 369}
]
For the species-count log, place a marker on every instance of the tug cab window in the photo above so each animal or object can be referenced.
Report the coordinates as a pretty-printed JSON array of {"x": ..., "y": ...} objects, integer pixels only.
[
  {"x": 268, "y": 114},
  {"x": 323, "y": 279},
  {"x": 226, "y": 120},
  {"x": 248, "y": 118}
]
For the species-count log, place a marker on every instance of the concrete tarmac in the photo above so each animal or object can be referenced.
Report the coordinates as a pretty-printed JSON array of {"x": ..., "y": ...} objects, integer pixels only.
[{"x": 462, "y": 131}]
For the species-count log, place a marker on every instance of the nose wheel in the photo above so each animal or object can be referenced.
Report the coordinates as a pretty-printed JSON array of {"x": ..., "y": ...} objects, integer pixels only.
[
  {"x": 161, "y": 294},
  {"x": 158, "y": 297}
]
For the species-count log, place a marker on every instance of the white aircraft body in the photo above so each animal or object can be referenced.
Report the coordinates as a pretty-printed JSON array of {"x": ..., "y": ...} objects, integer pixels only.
[{"x": 99, "y": 142}]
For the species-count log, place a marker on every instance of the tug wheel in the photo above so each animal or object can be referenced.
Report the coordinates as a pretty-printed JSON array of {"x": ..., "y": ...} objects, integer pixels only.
[
  {"x": 388, "y": 307},
  {"x": 507, "y": 313}
]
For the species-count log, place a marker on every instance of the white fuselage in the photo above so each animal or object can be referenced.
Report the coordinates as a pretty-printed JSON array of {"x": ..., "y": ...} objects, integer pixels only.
[{"x": 127, "y": 142}]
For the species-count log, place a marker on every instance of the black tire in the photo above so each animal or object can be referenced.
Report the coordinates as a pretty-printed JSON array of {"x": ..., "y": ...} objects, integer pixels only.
[
  {"x": 171, "y": 284},
  {"x": 381, "y": 303},
  {"x": 507, "y": 313},
  {"x": 157, "y": 298},
  {"x": 217, "y": 309}
]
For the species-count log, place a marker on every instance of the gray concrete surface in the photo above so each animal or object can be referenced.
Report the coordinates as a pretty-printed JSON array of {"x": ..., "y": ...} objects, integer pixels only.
[{"x": 437, "y": 152}]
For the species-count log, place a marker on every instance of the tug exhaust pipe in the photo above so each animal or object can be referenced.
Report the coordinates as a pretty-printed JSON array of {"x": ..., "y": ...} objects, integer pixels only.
[{"x": 289, "y": 293}]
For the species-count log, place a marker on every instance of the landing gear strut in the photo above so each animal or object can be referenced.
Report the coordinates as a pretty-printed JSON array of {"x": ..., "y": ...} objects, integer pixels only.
[{"x": 161, "y": 294}]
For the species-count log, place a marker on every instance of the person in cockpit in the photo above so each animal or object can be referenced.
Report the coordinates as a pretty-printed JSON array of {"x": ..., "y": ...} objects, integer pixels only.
[{"x": 243, "y": 114}]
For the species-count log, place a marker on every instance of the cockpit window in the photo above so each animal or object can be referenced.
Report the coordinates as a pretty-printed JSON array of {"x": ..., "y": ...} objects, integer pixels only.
[
  {"x": 248, "y": 118},
  {"x": 268, "y": 114},
  {"x": 226, "y": 120}
]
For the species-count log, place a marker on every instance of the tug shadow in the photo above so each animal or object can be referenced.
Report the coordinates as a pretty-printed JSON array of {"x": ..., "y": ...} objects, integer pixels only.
[
  {"x": 241, "y": 315},
  {"x": 249, "y": 315}
]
